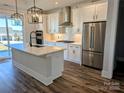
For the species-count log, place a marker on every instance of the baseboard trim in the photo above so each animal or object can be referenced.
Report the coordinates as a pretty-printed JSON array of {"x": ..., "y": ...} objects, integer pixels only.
[{"x": 106, "y": 74}]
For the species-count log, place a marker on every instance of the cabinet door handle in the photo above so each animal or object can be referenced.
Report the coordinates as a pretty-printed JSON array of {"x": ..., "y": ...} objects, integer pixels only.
[
  {"x": 77, "y": 47},
  {"x": 92, "y": 62},
  {"x": 78, "y": 30},
  {"x": 73, "y": 51},
  {"x": 96, "y": 16}
]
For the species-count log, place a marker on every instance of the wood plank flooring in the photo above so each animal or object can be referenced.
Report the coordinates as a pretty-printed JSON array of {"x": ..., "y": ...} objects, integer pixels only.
[{"x": 75, "y": 79}]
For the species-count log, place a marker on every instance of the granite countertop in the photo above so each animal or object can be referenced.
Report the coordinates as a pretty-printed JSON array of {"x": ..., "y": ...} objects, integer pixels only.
[{"x": 40, "y": 51}]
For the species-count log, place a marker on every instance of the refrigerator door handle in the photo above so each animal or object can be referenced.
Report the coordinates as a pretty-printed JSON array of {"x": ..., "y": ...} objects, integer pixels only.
[
  {"x": 90, "y": 40},
  {"x": 92, "y": 37}
]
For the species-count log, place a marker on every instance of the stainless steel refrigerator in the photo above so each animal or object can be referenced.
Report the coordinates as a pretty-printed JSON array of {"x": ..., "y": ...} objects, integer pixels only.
[{"x": 93, "y": 44}]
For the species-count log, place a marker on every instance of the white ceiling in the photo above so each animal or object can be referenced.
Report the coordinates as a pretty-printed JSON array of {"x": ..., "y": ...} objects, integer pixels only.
[{"x": 44, "y": 4}]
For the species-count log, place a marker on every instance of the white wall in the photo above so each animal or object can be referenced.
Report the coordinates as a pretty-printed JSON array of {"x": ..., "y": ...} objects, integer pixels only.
[
  {"x": 108, "y": 63},
  {"x": 28, "y": 28}
]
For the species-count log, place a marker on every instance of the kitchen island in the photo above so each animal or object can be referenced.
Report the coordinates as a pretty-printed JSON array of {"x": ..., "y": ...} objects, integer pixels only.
[{"x": 43, "y": 63}]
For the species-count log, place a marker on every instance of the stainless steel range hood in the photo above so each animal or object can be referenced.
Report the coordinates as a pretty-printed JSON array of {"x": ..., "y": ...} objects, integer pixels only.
[{"x": 65, "y": 17}]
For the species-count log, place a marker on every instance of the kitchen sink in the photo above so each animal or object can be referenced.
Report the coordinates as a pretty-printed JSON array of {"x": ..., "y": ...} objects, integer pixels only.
[{"x": 38, "y": 46}]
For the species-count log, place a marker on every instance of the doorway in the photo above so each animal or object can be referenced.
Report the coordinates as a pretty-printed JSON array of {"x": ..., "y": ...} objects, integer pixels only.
[
  {"x": 11, "y": 35},
  {"x": 119, "y": 49}
]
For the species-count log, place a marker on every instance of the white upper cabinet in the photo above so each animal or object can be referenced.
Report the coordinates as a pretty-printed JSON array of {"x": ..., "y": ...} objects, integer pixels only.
[
  {"x": 49, "y": 23},
  {"x": 53, "y": 23},
  {"x": 88, "y": 13},
  {"x": 101, "y": 11},
  {"x": 95, "y": 12},
  {"x": 56, "y": 22},
  {"x": 76, "y": 19}
]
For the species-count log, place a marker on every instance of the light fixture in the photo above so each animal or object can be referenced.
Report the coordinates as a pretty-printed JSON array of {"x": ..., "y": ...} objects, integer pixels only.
[
  {"x": 16, "y": 15},
  {"x": 35, "y": 14},
  {"x": 56, "y": 3}
]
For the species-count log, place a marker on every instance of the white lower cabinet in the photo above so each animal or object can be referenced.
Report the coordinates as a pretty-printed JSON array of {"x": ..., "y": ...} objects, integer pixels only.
[{"x": 74, "y": 53}]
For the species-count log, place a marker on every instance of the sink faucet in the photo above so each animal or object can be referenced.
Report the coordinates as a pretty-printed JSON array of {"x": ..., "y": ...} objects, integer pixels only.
[{"x": 31, "y": 38}]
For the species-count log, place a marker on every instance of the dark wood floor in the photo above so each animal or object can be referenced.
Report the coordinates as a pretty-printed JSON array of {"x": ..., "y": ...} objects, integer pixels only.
[{"x": 75, "y": 79}]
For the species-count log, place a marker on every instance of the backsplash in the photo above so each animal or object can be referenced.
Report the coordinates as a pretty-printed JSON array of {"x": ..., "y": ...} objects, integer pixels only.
[
  {"x": 68, "y": 35},
  {"x": 58, "y": 37},
  {"x": 77, "y": 38}
]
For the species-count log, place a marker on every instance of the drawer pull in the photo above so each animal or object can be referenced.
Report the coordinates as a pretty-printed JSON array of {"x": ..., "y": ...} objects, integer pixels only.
[
  {"x": 77, "y": 47},
  {"x": 73, "y": 51}
]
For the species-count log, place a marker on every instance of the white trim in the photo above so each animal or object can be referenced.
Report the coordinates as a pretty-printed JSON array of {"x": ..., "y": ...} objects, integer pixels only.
[
  {"x": 41, "y": 78},
  {"x": 106, "y": 74},
  {"x": 110, "y": 39}
]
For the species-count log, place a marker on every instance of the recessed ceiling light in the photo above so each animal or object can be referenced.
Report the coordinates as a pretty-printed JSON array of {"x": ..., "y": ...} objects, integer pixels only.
[{"x": 56, "y": 3}]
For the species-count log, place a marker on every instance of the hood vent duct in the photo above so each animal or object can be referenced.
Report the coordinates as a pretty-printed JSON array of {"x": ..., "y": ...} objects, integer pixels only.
[{"x": 65, "y": 17}]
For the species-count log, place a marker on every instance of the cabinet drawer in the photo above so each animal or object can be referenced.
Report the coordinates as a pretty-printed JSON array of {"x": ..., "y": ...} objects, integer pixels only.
[
  {"x": 71, "y": 46},
  {"x": 77, "y": 47}
]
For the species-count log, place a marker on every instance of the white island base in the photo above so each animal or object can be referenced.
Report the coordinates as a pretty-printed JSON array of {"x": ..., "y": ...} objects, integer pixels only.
[{"x": 44, "y": 68}]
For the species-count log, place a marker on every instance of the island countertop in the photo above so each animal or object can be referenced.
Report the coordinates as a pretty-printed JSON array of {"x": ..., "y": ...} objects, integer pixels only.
[{"x": 40, "y": 51}]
